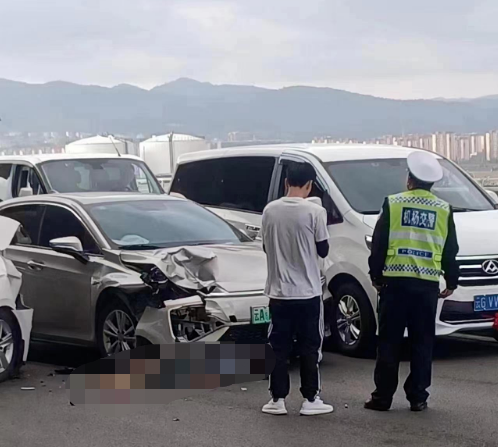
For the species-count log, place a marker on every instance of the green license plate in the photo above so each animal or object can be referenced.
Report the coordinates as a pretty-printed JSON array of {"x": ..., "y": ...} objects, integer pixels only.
[{"x": 260, "y": 315}]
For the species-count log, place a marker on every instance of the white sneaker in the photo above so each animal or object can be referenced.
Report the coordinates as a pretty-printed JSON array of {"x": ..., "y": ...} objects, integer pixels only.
[
  {"x": 316, "y": 407},
  {"x": 277, "y": 407}
]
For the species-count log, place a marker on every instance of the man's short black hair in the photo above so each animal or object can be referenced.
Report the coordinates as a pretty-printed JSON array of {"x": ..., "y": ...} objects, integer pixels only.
[
  {"x": 298, "y": 174},
  {"x": 419, "y": 184}
]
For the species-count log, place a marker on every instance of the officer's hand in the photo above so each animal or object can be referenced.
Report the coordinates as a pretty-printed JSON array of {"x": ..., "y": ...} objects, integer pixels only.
[
  {"x": 377, "y": 286},
  {"x": 446, "y": 293}
]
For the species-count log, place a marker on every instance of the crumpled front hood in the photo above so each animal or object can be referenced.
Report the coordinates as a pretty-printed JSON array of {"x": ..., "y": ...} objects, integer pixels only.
[{"x": 228, "y": 268}]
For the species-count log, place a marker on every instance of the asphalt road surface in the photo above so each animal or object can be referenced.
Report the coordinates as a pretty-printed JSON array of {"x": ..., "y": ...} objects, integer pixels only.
[{"x": 463, "y": 408}]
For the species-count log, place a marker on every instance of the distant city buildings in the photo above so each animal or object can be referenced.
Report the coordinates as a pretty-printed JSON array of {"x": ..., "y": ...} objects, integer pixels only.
[
  {"x": 479, "y": 148},
  {"x": 475, "y": 148}
]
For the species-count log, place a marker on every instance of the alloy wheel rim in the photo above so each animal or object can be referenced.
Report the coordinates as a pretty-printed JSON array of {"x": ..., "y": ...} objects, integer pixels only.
[
  {"x": 6, "y": 346},
  {"x": 348, "y": 320},
  {"x": 119, "y": 332}
]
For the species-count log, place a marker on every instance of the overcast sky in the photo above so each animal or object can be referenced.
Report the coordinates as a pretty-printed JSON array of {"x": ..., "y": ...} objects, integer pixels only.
[{"x": 391, "y": 48}]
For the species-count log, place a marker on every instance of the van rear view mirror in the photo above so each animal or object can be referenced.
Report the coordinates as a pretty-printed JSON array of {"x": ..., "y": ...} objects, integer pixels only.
[{"x": 26, "y": 192}]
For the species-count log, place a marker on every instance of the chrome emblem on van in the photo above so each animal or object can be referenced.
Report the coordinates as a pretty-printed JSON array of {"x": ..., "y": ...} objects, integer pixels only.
[{"x": 490, "y": 267}]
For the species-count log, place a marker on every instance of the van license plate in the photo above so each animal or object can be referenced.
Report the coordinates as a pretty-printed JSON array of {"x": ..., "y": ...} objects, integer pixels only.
[
  {"x": 486, "y": 303},
  {"x": 260, "y": 315}
]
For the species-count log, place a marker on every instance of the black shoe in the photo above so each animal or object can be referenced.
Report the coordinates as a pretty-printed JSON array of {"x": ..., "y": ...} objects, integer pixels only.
[
  {"x": 420, "y": 406},
  {"x": 376, "y": 405}
]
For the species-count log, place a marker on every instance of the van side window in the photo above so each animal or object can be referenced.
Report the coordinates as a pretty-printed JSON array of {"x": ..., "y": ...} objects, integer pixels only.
[
  {"x": 333, "y": 214},
  {"x": 238, "y": 183},
  {"x": 5, "y": 181}
]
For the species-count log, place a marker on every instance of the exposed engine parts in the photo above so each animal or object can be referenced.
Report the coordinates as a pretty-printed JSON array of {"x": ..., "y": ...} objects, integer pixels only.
[{"x": 192, "y": 323}]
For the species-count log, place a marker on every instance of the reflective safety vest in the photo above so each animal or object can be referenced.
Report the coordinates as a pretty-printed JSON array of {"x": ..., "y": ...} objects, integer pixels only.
[{"x": 417, "y": 235}]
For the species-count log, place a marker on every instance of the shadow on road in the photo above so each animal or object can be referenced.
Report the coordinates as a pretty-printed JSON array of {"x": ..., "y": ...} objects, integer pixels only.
[
  {"x": 61, "y": 355},
  {"x": 446, "y": 348}
]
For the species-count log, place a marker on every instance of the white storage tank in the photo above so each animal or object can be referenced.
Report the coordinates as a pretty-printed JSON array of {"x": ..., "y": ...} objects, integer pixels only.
[
  {"x": 100, "y": 145},
  {"x": 161, "y": 152}
]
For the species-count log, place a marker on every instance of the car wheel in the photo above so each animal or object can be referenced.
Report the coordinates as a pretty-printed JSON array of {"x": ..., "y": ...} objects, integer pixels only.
[
  {"x": 11, "y": 344},
  {"x": 351, "y": 321},
  {"x": 116, "y": 328}
]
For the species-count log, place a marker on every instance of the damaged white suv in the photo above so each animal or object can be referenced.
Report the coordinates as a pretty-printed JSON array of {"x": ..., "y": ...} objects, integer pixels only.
[
  {"x": 117, "y": 270},
  {"x": 15, "y": 317}
]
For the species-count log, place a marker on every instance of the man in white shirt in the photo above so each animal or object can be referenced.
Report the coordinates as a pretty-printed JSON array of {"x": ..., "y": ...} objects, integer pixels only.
[{"x": 294, "y": 233}]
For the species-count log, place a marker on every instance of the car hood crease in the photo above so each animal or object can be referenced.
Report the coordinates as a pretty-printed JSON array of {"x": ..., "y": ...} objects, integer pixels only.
[{"x": 224, "y": 268}]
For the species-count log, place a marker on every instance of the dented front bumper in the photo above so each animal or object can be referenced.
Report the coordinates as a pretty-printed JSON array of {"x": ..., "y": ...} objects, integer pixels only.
[{"x": 219, "y": 314}]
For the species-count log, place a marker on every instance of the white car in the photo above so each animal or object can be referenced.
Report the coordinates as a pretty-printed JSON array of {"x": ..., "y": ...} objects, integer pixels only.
[
  {"x": 15, "y": 317},
  {"x": 352, "y": 182},
  {"x": 119, "y": 269}
]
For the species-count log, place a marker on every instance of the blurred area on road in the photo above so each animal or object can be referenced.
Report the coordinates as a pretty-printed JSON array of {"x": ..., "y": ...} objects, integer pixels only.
[{"x": 463, "y": 407}]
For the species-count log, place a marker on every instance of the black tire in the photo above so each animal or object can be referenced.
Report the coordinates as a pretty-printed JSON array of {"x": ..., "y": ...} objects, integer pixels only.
[
  {"x": 115, "y": 304},
  {"x": 364, "y": 344},
  {"x": 8, "y": 319},
  {"x": 495, "y": 335},
  {"x": 142, "y": 342}
]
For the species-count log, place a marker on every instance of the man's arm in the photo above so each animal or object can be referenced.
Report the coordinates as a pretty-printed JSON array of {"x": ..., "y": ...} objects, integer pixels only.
[
  {"x": 449, "y": 263},
  {"x": 380, "y": 244},
  {"x": 262, "y": 229},
  {"x": 322, "y": 234},
  {"x": 322, "y": 248}
]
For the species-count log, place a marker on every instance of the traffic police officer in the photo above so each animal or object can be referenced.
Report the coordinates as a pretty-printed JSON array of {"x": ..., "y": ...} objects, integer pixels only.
[{"x": 414, "y": 242}]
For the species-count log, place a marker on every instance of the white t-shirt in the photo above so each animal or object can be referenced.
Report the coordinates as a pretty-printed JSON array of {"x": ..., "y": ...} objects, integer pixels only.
[{"x": 290, "y": 230}]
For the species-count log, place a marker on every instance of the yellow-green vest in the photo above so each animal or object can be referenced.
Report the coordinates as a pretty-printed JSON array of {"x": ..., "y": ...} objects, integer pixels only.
[{"x": 417, "y": 235}]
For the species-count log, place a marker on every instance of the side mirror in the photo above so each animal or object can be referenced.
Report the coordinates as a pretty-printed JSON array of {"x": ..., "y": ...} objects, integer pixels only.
[
  {"x": 70, "y": 246},
  {"x": 177, "y": 195},
  {"x": 26, "y": 192},
  {"x": 493, "y": 195},
  {"x": 252, "y": 231},
  {"x": 334, "y": 216}
]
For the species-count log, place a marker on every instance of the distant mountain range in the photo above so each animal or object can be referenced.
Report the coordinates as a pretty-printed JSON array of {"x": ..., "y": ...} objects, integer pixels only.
[{"x": 295, "y": 113}]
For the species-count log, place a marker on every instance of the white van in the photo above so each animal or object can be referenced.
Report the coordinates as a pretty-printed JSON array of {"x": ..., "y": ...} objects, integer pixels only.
[
  {"x": 25, "y": 175},
  {"x": 352, "y": 181}
]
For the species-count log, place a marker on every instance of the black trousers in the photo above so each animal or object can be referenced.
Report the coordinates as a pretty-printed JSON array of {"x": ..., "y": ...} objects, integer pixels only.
[
  {"x": 403, "y": 307},
  {"x": 301, "y": 320}
]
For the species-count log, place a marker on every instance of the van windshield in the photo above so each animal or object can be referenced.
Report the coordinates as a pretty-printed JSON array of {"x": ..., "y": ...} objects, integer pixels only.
[
  {"x": 100, "y": 175},
  {"x": 366, "y": 183}
]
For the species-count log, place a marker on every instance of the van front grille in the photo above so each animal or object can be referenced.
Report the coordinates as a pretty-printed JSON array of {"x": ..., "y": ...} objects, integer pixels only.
[{"x": 473, "y": 271}]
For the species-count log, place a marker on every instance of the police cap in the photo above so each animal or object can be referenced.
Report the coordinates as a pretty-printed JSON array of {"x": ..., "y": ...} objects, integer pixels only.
[{"x": 424, "y": 167}]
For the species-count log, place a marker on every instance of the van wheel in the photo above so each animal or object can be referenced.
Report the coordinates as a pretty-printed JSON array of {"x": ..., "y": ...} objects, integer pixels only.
[
  {"x": 11, "y": 344},
  {"x": 116, "y": 328},
  {"x": 352, "y": 321}
]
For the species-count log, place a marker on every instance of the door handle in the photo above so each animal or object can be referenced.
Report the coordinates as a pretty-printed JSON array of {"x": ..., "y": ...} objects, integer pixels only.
[{"x": 33, "y": 265}]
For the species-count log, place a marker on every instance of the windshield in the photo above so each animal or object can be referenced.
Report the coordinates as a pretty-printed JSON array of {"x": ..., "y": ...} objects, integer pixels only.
[
  {"x": 161, "y": 224},
  {"x": 100, "y": 175},
  {"x": 366, "y": 183}
]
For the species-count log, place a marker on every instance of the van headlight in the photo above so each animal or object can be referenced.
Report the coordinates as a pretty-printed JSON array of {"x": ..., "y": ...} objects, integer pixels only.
[{"x": 368, "y": 241}]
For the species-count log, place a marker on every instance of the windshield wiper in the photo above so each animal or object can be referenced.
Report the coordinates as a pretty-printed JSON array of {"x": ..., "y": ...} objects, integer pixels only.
[{"x": 139, "y": 247}]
